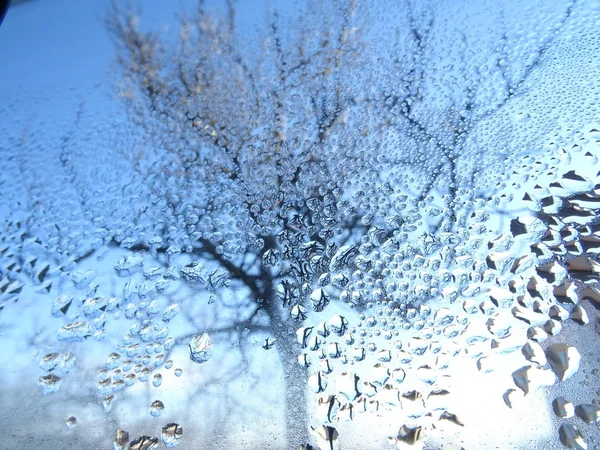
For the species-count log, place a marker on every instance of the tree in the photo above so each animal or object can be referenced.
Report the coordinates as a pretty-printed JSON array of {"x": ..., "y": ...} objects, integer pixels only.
[
  {"x": 247, "y": 144},
  {"x": 279, "y": 163}
]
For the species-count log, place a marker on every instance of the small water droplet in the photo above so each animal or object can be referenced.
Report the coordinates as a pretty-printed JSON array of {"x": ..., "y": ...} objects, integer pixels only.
[
  {"x": 50, "y": 383},
  {"x": 71, "y": 422},
  {"x": 156, "y": 408},
  {"x": 107, "y": 403}
]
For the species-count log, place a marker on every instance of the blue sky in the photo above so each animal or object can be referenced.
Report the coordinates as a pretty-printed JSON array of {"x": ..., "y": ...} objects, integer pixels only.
[
  {"x": 53, "y": 43},
  {"x": 50, "y": 51},
  {"x": 57, "y": 53}
]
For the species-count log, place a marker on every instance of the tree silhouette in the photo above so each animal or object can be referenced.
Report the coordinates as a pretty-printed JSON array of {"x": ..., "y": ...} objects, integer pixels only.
[
  {"x": 269, "y": 155},
  {"x": 253, "y": 163}
]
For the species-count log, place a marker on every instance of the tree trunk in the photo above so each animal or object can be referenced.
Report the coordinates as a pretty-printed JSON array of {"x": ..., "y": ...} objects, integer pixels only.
[{"x": 295, "y": 382}]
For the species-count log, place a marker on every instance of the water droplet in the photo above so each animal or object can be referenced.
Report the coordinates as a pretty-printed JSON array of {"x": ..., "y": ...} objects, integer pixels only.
[
  {"x": 128, "y": 265},
  {"x": 171, "y": 434},
  {"x": 121, "y": 439},
  {"x": 156, "y": 408},
  {"x": 144, "y": 443},
  {"x": 201, "y": 348},
  {"x": 71, "y": 422},
  {"x": 49, "y": 383},
  {"x": 170, "y": 312},
  {"x": 114, "y": 361},
  {"x": 74, "y": 332},
  {"x": 50, "y": 361},
  {"x": 107, "y": 403}
]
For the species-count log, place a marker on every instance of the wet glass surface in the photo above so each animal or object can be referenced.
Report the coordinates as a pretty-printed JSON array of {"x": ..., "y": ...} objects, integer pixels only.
[{"x": 288, "y": 225}]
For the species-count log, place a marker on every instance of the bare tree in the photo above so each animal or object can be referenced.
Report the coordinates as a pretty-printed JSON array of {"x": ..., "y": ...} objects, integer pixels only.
[
  {"x": 268, "y": 154},
  {"x": 245, "y": 172}
]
